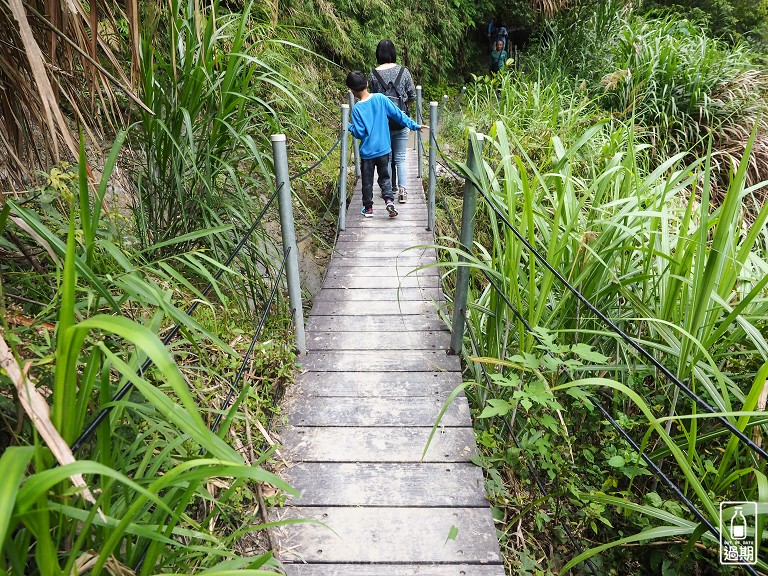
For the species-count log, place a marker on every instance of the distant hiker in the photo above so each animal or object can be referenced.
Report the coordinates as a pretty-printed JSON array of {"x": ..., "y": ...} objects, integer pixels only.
[
  {"x": 498, "y": 57},
  {"x": 369, "y": 125},
  {"x": 501, "y": 35},
  {"x": 395, "y": 82},
  {"x": 491, "y": 31}
]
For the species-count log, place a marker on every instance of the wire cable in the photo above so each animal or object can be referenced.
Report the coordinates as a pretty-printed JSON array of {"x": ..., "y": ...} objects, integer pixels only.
[
  {"x": 257, "y": 334},
  {"x": 91, "y": 428},
  {"x": 531, "y": 470},
  {"x": 625, "y": 337},
  {"x": 316, "y": 164}
]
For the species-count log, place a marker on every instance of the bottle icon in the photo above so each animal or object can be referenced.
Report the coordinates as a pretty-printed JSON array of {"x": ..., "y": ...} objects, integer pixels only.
[{"x": 738, "y": 525}]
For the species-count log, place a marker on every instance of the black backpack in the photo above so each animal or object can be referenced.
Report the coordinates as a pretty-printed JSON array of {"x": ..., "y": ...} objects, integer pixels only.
[{"x": 392, "y": 92}]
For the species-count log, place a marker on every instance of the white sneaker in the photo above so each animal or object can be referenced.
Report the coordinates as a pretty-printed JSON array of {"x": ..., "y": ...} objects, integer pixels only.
[{"x": 402, "y": 196}]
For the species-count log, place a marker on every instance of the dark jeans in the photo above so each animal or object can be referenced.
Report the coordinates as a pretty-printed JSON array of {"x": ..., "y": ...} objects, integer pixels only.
[{"x": 381, "y": 165}]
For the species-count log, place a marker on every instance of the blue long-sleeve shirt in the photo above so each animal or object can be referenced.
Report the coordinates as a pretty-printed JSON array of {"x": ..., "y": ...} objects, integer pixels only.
[{"x": 369, "y": 125}]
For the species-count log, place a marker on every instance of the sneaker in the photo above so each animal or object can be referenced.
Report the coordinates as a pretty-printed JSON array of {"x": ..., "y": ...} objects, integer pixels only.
[
  {"x": 391, "y": 209},
  {"x": 367, "y": 212},
  {"x": 402, "y": 196}
]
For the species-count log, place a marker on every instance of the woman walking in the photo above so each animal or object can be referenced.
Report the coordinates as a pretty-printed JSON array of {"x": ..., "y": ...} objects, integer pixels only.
[{"x": 396, "y": 82}]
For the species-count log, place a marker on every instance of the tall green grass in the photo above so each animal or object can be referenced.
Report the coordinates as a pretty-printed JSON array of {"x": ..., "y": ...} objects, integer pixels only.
[
  {"x": 214, "y": 83},
  {"x": 161, "y": 477},
  {"x": 685, "y": 279}
]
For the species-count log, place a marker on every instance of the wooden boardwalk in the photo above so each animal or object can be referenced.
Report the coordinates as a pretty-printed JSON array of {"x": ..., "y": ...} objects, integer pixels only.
[{"x": 374, "y": 380}]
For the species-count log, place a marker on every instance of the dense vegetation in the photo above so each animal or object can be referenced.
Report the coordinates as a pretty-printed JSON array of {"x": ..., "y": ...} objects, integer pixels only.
[
  {"x": 628, "y": 146},
  {"x": 622, "y": 163}
]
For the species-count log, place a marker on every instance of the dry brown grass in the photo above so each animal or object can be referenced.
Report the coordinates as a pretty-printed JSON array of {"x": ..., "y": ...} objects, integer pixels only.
[
  {"x": 52, "y": 81},
  {"x": 731, "y": 138}
]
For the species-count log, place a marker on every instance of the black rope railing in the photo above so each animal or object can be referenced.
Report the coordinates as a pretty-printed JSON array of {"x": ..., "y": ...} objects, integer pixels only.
[
  {"x": 316, "y": 164},
  {"x": 91, "y": 428},
  {"x": 247, "y": 355},
  {"x": 655, "y": 469},
  {"x": 528, "y": 464},
  {"x": 104, "y": 412},
  {"x": 622, "y": 432},
  {"x": 623, "y": 335}
]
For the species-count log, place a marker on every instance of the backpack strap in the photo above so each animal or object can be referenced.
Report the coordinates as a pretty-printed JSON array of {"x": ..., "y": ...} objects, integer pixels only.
[
  {"x": 395, "y": 84},
  {"x": 399, "y": 76},
  {"x": 380, "y": 79}
]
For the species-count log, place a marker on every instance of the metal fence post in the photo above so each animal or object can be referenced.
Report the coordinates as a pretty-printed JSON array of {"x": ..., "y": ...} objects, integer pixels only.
[
  {"x": 419, "y": 144},
  {"x": 355, "y": 143},
  {"x": 461, "y": 96},
  {"x": 443, "y": 102},
  {"x": 468, "y": 213},
  {"x": 432, "y": 165},
  {"x": 290, "y": 250},
  {"x": 343, "y": 167}
]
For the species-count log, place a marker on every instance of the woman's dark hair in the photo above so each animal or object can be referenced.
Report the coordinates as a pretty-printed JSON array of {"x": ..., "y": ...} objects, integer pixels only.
[{"x": 385, "y": 52}]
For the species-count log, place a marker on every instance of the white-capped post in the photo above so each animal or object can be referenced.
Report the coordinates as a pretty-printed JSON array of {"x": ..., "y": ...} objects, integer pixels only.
[
  {"x": 419, "y": 143},
  {"x": 290, "y": 250},
  {"x": 343, "y": 166},
  {"x": 432, "y": 165},
  {"x": 468, "y": 213}
]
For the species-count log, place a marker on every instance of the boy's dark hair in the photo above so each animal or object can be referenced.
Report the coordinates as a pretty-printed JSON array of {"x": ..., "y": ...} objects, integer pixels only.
[
  {"x": 385, "y": 52},
  {"x": 356, "y": 81}
]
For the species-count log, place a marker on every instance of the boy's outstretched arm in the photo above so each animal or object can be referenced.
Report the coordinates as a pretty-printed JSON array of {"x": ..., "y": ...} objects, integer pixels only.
[{"x": 401, "y": 118}]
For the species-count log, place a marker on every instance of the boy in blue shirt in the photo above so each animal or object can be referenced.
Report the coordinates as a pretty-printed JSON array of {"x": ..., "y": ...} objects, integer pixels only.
[{"x": 369, "y": 125}]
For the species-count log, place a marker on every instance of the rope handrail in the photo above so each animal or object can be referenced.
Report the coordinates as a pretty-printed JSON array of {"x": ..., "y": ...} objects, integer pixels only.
[
  {"x": 316, "y": 164},
  {"x": 655, "y": 469},
  {"x": 623, "y": 335},
  {"x": 104, "y": 412},
  {"x": 248, "y": 353},
  {"x": 528, "y": 464}
]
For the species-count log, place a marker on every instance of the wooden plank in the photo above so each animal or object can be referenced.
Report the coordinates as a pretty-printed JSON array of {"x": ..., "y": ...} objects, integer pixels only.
[
  {"x": 409, "y": 485},
  {"x": 385, "y": 323},
  {"x": 393, "y": 411},
  {"x": 389, "y": 535},
  {"x": 405, "y": 263},
  {"x": 352, "y": 281},
  {"x": 379, "y": 235},
  {"x": 380, "y": 213},
  {"x": 340, "y": 270},
  {"x": 422, "y": 340},
  {"x": 309, "y": 444},
  {"x": 381, "y": 294},
  {"x": 379, "y": 384},
  {"x": 376, "y": 308},
  {"x": 292, "y": 569},
  {"x": 381, "y": 361},
  {"x": 390, "y": 246}
]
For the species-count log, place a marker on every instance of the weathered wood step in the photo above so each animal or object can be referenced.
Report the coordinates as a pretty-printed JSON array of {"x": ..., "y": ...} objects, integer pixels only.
[
  {"x": 398, "y": 340},
  {"x": 394, "y": 411},
  {"x": 405, "y": 535},
  {"x": 366, "y": 323},
  {"x": 407, "y": 247},
  {"x": 389, "y": 484},
  {"x": 380, "y": 235},
  {"x": 309, "y": 444},
  {"x": 382, "y": 360},
  {"x": 379, "y": 384},
  {"x": 377, "y": 308},
  {"x": 325, "y": 569},
  {"x": 378, "y": 294},
  {"x": 351, "y": 281}
]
